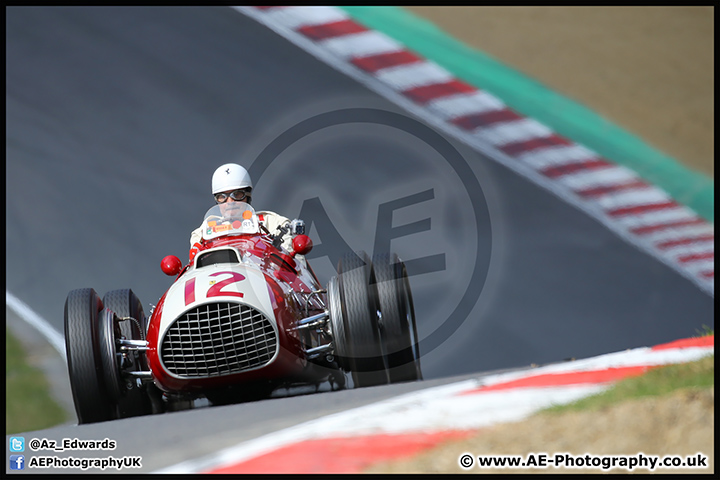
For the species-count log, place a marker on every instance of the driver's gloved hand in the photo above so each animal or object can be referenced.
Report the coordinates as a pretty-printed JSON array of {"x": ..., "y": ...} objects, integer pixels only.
[
  {"x": 194, "y": 250},
  {"x": 277, "y": 239}
]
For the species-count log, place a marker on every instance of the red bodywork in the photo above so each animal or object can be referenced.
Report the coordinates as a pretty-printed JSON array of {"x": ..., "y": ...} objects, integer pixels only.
[{"x": 283, "y": 274}]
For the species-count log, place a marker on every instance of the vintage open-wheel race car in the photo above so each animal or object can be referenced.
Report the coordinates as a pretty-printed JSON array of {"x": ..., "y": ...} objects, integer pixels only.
[{"x": 243, "y": 318}]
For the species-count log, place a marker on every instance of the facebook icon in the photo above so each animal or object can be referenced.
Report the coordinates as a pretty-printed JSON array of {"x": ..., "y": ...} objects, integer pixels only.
[{"x": 17, "y": 462}]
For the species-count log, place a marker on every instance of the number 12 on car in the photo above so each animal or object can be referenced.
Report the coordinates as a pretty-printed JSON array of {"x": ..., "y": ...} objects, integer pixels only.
[{"x": 216, "y": 289}]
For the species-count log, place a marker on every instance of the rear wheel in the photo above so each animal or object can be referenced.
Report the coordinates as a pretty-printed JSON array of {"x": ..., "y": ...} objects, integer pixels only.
[
  {"x": 91, "y": 398},
  {"x": 365, "y": 354},
  {"x": 125, "y": 303},
  {"x": 397, "y": 318},
  {"x": 132, "y": 401},
  {"x": 107, "y": 355},
  {"x": 337, "y": 324},
  {"x": 408, "y": 309}
]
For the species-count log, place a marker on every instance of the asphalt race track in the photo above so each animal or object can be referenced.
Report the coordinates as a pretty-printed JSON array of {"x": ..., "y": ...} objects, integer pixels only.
[{"x": 117, "y": 117}]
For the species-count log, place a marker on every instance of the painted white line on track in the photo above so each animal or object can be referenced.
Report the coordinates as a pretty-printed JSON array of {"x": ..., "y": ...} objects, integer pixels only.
[
  {"x": 40, "y": 324},
  {"x": 309, "y": 430}
]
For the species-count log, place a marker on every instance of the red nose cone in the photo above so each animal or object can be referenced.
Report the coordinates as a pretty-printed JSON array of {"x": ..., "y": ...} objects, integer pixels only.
[
  {"x": 302, "y": 244},
  {"x": 171, "y": 265}
]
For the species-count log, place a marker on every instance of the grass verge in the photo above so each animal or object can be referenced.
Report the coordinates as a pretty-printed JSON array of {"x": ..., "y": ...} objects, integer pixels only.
[
  {"x": 655, "y": 382},
  {"x": 28, "y": 403}
]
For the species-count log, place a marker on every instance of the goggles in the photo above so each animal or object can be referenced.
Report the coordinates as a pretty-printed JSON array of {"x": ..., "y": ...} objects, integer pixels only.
[{"x": 239, "y": 195}]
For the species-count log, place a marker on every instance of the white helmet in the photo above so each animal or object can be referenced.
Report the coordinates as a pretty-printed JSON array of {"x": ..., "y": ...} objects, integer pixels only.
[{"x": 230, "y": 176}]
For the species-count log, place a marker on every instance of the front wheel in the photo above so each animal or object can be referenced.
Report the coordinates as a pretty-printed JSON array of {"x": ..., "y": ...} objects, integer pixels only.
[
  {"x": 90, "y": 395},
  {"x": 133, "y": 401},
  {"x": 365, "y": 355},
  {"x": 397, "y": 324}
]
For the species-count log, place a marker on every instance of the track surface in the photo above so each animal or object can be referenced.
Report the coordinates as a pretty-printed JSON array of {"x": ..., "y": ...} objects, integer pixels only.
[{"x": 116, "y": 118}]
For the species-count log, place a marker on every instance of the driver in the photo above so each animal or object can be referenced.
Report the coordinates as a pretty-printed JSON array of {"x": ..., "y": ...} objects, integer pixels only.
[{"x": 231, "y": 183}]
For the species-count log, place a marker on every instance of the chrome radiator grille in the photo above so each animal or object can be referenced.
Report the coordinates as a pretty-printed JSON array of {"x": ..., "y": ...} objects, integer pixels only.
[{"x": 218, "y": 339}]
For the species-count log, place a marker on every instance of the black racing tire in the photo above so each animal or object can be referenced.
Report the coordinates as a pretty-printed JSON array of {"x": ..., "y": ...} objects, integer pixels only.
[
  {"x": 124, "y": 303},
  {"x": 91, "y": 399},
  {"x": 337, "y": 325},
  {"x": 397, "y": 318},
  {"x": 408, "y": 307},
  {"x": 367, "y": 363},
  {"x": 107, "y": 354}
]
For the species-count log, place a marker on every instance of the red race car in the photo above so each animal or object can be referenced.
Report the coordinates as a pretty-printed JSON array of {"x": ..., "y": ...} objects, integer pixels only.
[{"x": 242, "y": 319}]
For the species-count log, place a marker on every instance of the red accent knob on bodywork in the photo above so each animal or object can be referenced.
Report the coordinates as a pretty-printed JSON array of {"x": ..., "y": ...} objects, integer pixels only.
[
  {"x": 302, "y": 244},
  {"x": 171, "y": 265}
]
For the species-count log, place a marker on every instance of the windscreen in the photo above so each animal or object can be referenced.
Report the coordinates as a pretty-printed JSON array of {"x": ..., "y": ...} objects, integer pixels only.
[{"x": 230, "y": 218}]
